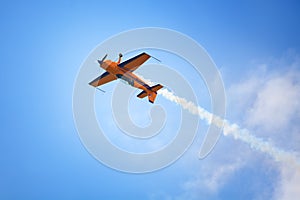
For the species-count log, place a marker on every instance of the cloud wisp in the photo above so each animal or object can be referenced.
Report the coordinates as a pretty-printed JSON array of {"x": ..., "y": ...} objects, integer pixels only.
[{"x": 231, "y": 129}]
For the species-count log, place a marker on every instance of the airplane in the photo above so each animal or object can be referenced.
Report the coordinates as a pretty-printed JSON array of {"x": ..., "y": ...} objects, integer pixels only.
[{"x": 124, "y": 71}]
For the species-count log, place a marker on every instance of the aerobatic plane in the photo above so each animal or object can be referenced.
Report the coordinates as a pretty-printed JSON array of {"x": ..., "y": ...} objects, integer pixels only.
[{"x": 124, "y": 70}]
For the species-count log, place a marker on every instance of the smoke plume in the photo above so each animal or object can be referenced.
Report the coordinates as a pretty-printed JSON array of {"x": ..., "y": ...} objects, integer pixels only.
[{"x": 234, "y": 130}]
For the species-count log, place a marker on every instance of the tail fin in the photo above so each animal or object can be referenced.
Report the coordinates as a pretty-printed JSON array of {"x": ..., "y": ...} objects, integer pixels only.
[{"x": 151, "y": 94}]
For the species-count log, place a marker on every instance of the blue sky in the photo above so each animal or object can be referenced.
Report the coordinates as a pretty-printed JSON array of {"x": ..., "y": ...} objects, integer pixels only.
[{"x": 255, "y": 45}]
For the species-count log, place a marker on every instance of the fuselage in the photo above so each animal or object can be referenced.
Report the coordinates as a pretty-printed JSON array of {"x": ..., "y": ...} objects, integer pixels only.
[{"x": 124, "y": 74}]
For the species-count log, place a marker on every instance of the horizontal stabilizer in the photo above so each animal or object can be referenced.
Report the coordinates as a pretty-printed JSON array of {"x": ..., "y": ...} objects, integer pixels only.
[
  {"x": 156, "y": 87},
  {"x": 142, "y": 94}
]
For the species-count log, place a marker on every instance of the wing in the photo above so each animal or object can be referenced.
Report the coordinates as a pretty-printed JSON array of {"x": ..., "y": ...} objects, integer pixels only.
[
  {"x": 133, "y": 63},
  {"x": 104, "y": 78}
]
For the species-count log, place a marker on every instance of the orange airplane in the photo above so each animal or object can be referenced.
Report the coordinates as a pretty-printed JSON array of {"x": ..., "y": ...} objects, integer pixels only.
[{"x": 115, "y": 70}]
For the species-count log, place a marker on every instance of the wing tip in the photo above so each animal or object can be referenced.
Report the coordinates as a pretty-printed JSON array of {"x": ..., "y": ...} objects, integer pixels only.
[{"x": 91, "y": 84}]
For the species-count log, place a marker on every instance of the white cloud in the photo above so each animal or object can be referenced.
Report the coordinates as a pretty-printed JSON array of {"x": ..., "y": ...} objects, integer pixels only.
[
  {"x": 208, "y": 176},
  {"x": 214, "y": 179},
  {"x": 209, "y": 179},
  {"x": 289, "y": 186},
  {"x": 269, "y": 103},
  {"x": 241, "y": 94},
  {"x": 277, "y": 102}
]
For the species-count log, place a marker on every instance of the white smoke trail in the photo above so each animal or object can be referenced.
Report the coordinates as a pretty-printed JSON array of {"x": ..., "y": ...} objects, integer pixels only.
[{"x": 233, "y": 130}]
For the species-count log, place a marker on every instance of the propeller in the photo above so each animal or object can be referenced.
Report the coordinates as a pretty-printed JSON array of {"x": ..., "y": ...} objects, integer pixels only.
[{"x": 101, "y": 61}]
